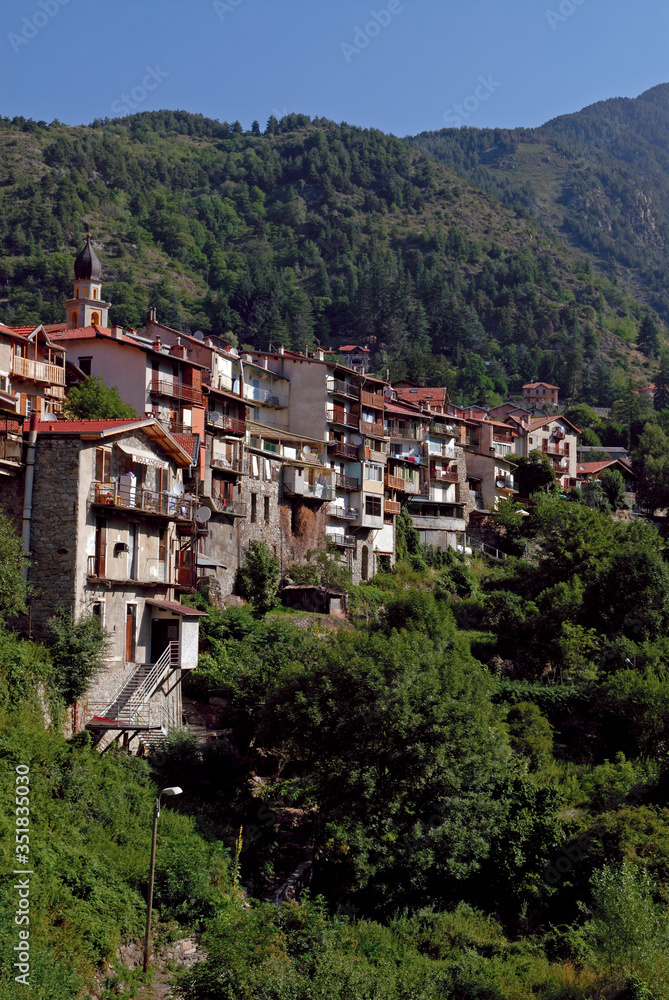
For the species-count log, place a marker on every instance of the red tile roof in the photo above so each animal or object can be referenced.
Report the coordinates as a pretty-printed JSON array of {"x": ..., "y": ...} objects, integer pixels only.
[
  {"x": 188, "y": 442},
  {"x": 85, "y": 426},
  {"x": 92, "y": 332},
  {"x": 25, "y": 331},
  {"x": 546, "y": 385},
  {"x": 404, "y": 411},
  {"x": 437, "y": 395},
  {"x": 540, "y": 421},
  {"x": 179, "y": 609},
  {"x": 591, "y": 468},
  {"x": 350, "y": 347}
]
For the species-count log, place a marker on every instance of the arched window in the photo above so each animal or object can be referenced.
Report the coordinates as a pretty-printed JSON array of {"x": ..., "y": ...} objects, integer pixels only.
[
  {"x": 95, "y": 293},
  {"x": 74, "y": 316},
  {"x": 95, "y": 317}
]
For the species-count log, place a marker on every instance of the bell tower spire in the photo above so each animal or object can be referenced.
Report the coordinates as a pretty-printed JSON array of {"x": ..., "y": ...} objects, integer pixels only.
[{"x": 86, "y": 308}]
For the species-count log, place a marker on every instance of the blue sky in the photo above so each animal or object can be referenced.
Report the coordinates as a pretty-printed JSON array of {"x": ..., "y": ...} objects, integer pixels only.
[{"x": 403, "y": 66}]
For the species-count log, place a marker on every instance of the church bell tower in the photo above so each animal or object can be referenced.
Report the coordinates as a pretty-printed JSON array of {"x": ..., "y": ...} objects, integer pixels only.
[{"x": 86, "y": 308}]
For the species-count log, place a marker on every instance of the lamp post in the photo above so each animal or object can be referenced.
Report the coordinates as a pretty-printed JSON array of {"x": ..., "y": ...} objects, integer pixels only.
[{"x": 156, "y": 813}]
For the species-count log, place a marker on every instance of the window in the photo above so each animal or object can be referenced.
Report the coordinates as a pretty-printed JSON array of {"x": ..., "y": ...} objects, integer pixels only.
[
  {"x": 97, "y": 610},
  {"x": 163, "y": 480},
  {"x": 373, "y": 506},
  {"x": 100, "y": 546},
  {"x": 130, "y": 632},
  {"x": 373, "y": 473},
  {"x": 163, "y": 554},
  {"x": 85, "y": 365},
  {"x": 266, "y": 510},
  {"x": 74, "y": 318},
  {"x": 254, "y": 508},
  {"x": 132, "y": 551},
  {"x": 103, "y": 465},
  {"x": 32, "y": 405},
  {"x": 95, "y": 293},
  {"x": 95, "y": 318},
  {"x": 3, "y": 383}
]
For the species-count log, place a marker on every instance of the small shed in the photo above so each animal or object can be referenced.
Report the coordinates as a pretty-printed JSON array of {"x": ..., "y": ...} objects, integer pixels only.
[{"x": 323, "y": 600}]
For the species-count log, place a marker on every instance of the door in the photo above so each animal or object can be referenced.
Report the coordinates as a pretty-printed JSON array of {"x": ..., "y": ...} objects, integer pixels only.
[
  {"x": 163, "y": 631},
  {"x": 130, "y": 632}
]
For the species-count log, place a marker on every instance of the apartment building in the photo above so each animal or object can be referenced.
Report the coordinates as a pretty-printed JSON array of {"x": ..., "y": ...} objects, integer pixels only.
[
  {"x": 557, "y": 438},
  {"x": 111, "y": 529},
  {"x": 540, "y": 394}
]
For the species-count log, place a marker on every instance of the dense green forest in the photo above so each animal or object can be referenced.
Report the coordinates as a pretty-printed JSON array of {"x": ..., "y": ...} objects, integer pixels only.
[
  {"x": 312, "y": 231},
  {"x": 470, "y": 773},
  {"x": 597, "y": 179}
]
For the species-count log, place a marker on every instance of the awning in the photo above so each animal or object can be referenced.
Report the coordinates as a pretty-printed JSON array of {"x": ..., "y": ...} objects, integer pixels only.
[
  {"x": 176, "y": 608},
  {"x": 143, "y": 457}
]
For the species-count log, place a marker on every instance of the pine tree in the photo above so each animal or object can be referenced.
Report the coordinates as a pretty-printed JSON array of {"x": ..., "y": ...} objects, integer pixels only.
[
  {"x": 648, "y": 339},
  {"x": 661, "y": 394}
]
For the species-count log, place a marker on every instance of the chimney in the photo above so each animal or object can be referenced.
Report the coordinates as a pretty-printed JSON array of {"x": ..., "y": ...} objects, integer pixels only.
[
  {"x": 152, "y": 315},
  {"x": 319, "y": 355},
  {"x": 157, "y": 344},
  {"x": 117, "y": 332},
  {"x": 280, "y": 349}
]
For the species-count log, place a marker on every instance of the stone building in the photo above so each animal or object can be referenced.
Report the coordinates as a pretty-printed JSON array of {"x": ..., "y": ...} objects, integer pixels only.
[{"x": 110, "y": 532}]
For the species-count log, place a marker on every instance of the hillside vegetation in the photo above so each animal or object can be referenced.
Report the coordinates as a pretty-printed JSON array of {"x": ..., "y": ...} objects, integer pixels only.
[
  {"x": 309, "y": 231},
  {"x": 598, "y": 180}
]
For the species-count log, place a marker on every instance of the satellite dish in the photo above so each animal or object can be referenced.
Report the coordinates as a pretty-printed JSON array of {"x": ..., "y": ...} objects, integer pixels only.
[
  {"x": 357, "y": 440},
  {"x": 234, "y": 352},
  {"x": 388, "y": 392},
  {"x": 306, "y": 450},
  {"x": 178, "y": 490},
  {"x": 202, "y": 515},
  {"x": 214, "y": 416},
  {"x": 500, "y": 484},
  {"x": 198, "y": 335},
  {"x": 49, "y": 415}
]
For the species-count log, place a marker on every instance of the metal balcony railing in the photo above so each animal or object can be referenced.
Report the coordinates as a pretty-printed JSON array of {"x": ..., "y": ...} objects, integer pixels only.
[
  {"x": 175, "y": 390},
  {"x": 340, "y": 450},
  {"x": 336, "y": 415},
  {"x": 266, "y": 396},
  {"x": 38, "y": 371},
  {"x": 124, "y": 496},
  {"x": 235, "y": 508},
  {"x": 347, "y": 482},
  {"x": 345, "y": 513},
  {"x": 342, "y": 388},
  {"x": 226, "y": 423},
  {"x": 227, "y": 465},
  {"x": 343, "y": 541}
]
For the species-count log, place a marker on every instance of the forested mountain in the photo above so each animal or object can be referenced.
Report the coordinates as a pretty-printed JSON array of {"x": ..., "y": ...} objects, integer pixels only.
[
  {"x": 310, "y": 231},
  {"x": 598, "y": 179}
]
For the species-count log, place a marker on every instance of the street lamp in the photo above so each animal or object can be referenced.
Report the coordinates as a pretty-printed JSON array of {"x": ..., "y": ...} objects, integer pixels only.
[{"x": 175, "y": 790}]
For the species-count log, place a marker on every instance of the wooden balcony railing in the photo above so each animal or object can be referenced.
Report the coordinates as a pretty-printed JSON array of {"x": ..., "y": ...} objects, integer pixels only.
[
  {"x": 11, "y": 448},
  {"x": 340, "y": 450},
  {"x": 336, "y": 415},
  {"x": 175, "y": 390},
  {"x": 124, "y": 496},
  {"x": 376, "y": 428},
  {"x": 392, "y": 507},
  {"x": 371, "y": 399},
  {"x": 440, "y": 476},
  {"x": 38, "y": 371},
  {"x": 347, "y": 482},
  {"x": 393, "y": 482}
]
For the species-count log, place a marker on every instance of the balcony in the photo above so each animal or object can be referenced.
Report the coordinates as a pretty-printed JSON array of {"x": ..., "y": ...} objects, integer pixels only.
[
  {"x": 394, "y": 482},
  {"x": 505, "y": 483},
  {"x": 342, "y": 541},
  {"x": 372, "y": 428},
  {"x": 336, "y": 415},
  {"x": 38, "y": 371},
  {"x": 439, "y": 476},
  {"x": 347, "y": 482},
  {"x": 226, "y": 423},
  {"x": 55, "y": 391},
  {"x": 233, "y": 508},
  {"x": 268, "y": 397},
  {"x": 341, "y": 388},
  {"x": 175, "y": 390},
  {"x": 372, "y": 400},
  {"x": 227, "y": 465},
  {"x": 124, "y": 496},
  {"x": 409, "y": 432},
  {"x": 411, "y": 486},
  {"x": 340, "y": 450},
  {"x": 345, "y": 513},
  {"x": 11, "y": 449},
  {"x": 392, "y": 507}
]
